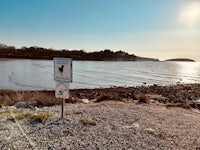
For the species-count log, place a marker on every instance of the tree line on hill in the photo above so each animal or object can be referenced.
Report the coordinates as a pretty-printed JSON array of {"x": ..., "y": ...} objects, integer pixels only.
[{"x": 44, "y": 53}]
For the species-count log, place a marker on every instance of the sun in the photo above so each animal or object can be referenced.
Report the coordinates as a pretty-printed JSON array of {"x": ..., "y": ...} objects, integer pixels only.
[{"x": 191, "y": 13}]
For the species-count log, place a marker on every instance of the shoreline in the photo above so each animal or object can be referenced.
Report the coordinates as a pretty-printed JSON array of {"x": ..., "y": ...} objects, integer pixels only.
[
  {"x": 185, "y": 93},
  {"x": 114, "y": 119}
]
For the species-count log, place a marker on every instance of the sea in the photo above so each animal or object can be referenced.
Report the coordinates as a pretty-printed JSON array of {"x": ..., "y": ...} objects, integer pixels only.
[{"x": 25, "y": 74}]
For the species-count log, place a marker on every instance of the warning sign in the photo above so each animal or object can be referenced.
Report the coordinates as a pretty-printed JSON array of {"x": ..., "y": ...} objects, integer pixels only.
[
  {"x": 62, "y": 90},
  {"x": 63, "y": 69}
]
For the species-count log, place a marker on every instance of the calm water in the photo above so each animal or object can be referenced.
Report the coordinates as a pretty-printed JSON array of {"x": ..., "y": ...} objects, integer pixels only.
[{"x": 38, "y": 74}]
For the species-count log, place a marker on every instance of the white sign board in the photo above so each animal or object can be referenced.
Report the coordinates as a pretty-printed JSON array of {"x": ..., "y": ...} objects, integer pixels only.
[
  {"x": 63, "y": 69},
  {"x": 62, "y": 90}
]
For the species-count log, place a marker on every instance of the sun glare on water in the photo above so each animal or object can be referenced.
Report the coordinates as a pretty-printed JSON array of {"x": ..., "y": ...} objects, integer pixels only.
[{"x": 190, "y": 14}]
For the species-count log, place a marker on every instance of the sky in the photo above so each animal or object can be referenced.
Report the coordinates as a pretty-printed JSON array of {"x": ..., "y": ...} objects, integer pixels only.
[{"x": 150, "y": 28}]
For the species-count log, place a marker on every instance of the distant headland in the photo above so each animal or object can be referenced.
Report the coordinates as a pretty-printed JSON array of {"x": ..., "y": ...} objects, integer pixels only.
[
  {"x": 181, "y": 59},
  {"x": 44, "y": 53}
]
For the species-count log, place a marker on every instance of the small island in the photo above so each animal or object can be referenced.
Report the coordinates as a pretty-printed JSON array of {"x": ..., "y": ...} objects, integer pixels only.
[{"x": 181, "y": 59}]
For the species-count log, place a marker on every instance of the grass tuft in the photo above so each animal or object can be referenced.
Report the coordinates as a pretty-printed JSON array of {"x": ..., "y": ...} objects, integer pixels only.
[
  {"x": 85, "y": 121},
  {"x": 179, "y": 104},
  {"x": 74, "y": 112},
  {"x": 41, "y": 118},
  {"x": 17, "y": 117},
  {"x": 15, "y": 111}
]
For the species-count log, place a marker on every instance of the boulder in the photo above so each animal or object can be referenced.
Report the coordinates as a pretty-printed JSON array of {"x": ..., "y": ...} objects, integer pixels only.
[{"x": 21, "y": 105}]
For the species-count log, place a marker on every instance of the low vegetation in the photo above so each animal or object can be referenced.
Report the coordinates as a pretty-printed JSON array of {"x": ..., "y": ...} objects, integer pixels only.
[
  {"x": 33, "y": 98},
  {"x": 13, "y": 111},
  {"x": 6, "y": 91},
  {"x": 85, "y": 121},
  {"x": 182, "y": 105},
  {"x": 41, "y": 118},
  {"x": 74, "y": 112},
  {"x": 33, "y": 117},
  {"x": 47, "y": 98},
  {"x": 142, "y": 98},
  {"x": 17, "y": 117},
  {"x": 106, "y": 97}
]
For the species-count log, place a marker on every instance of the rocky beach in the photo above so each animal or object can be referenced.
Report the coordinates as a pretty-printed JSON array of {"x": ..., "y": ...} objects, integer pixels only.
[{"x": 112, "y": 118}]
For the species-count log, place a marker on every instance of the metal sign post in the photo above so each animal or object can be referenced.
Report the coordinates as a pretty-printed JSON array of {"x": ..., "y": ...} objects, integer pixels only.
[
  {"x": 62, "y": 76},
  {"x": 62, "y": 108},
  {"x": 62, "y": 91}
]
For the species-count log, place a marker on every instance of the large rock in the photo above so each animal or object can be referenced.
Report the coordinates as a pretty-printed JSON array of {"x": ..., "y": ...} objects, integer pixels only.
[{"x": 21, "y": 105}]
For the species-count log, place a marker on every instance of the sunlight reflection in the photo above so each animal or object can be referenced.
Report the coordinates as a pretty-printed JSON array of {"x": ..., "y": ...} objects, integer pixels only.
[{"x": 188, "y": 72}]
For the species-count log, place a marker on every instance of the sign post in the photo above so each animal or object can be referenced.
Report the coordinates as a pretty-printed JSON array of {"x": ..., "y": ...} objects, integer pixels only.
[{"x": 62, "y": 76}]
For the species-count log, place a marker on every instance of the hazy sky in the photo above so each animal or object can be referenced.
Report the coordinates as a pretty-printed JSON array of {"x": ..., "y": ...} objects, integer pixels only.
[{"x": 153, "y": 28}]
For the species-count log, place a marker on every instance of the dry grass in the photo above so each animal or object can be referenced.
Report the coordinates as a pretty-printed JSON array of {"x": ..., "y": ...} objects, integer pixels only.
[
  {"x": 142, "y": 98},
  {"x": 41, "y": 118},
  {"x": 34, "y": 98},
  {"x": 13, "y": 111},
  {"x": 17, "y": 117},
  {"x": 6, "y": 91},
  {"x": 109, "y": 96},
  {"x": 74, "y": 112},
  {"x": 182, "y": 105},
  {"x": 85, "y": 121},
  {"x": 33, "y": 117}
]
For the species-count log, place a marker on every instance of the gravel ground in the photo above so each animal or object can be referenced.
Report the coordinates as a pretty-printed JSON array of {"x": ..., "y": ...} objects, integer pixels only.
[{"x": 120, "y": 125}]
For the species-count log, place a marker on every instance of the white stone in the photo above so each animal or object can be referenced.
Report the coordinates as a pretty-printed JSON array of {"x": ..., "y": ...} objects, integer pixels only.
[{"x": 85, "y": 101}]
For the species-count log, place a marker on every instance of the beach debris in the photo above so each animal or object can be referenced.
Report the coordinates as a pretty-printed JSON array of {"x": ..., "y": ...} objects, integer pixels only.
[
  {"x": 150, "y": 130},
  {"x": 135, "y": 125}
]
